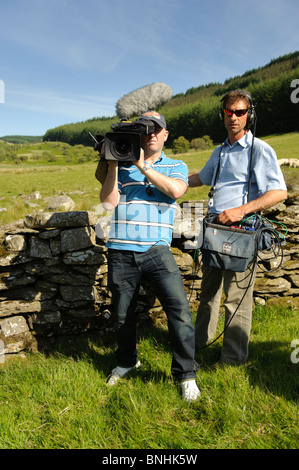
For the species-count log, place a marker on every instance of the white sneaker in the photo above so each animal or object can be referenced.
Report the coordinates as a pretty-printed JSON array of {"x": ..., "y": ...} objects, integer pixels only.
[
  {"x": 120, "y": 373},
  {"x": 190, "y": 390}
]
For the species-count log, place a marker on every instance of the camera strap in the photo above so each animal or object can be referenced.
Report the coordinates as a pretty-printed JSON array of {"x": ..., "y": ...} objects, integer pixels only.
[
  {"x": 212, "y": 190},
  {"x": 101, "y": 170}
]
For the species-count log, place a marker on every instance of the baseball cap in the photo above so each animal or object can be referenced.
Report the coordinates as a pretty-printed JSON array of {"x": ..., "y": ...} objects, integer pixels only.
[{"x": 155, "y": 117}]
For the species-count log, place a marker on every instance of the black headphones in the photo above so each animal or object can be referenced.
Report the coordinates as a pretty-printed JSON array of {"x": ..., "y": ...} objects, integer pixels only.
[{"x": 251, "y": 115}]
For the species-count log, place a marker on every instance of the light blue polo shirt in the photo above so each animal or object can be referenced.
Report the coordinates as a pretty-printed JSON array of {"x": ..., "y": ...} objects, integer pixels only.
[
  {"x": 231, "y": 189},
  {"x": 143, "y": 219}
]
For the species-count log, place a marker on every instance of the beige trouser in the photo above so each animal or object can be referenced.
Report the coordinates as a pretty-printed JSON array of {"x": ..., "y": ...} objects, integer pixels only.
[{"x": 238, "y": 291}]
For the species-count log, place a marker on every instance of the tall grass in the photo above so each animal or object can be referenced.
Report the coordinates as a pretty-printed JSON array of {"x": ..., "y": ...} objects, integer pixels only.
[{"x": 59, "y": 400}]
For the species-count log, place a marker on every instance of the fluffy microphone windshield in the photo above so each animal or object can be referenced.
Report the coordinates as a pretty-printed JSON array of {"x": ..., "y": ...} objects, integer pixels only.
[{"x": 141, "y": 100}]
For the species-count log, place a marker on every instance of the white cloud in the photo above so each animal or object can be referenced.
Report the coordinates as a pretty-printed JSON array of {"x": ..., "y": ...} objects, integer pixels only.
[
  {"x": 50, "y": 102},
  {"x": 73, "y": 60}
]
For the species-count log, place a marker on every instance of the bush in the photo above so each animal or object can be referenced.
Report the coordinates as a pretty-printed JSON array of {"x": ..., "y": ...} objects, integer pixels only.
[
  {"x": 180, "y": 145},
  {"x": 202, "y": 143}
]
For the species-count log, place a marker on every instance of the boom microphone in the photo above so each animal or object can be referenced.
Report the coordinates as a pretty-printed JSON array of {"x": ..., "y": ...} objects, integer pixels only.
[{"x": 141, "y": 100}]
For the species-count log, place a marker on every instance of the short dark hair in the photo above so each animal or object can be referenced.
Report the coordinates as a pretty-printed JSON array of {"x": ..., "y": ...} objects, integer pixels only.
[{"x": 236, "y": 95}]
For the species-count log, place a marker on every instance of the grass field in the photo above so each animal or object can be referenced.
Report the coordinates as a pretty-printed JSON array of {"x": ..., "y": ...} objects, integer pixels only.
[
  {"x": 51, "y": 178},
  {"x": 60, "y": 400}
]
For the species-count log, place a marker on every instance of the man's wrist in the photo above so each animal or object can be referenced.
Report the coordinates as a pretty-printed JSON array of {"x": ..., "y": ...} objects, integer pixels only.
[{"x": 146, "y": 167}]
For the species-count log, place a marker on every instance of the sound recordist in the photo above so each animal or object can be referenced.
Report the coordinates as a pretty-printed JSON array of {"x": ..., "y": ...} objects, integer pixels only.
[{"x": 228, "y": 170}]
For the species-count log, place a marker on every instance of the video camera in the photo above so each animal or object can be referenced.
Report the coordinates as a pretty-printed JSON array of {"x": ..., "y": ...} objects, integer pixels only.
[{"x": 123, "y": 144}]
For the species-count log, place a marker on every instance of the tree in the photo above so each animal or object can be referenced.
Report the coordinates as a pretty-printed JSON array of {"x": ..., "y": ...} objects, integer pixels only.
[{"x": 180, "y": 145}]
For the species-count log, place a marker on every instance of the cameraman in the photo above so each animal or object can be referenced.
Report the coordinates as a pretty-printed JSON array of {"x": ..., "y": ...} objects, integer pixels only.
[
  {"x": 143, "y": 194},
  {"x": 230, "y": 203}
]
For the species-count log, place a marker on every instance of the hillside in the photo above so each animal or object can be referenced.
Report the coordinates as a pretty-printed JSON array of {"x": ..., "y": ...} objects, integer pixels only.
[
  {"x": 195, "y": 113},
  {"x": 21, "y": 139}
]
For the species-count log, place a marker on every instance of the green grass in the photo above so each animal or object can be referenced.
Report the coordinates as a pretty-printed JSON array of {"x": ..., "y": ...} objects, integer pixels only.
[
  {"x": 51, "y": 181},
  {"x": 286, "y": 146},
  {"x": 52, "y": 178},
  {"x": 60, "y": 400}
]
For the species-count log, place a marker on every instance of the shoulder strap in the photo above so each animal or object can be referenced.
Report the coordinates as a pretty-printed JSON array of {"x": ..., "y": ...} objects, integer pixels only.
[
  {"x": 212, "y": 190},
  {"x": 251, "y": 159}
]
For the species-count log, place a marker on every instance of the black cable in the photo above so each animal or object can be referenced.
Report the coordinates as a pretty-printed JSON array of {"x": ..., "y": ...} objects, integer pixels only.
[{"x": 228, "y": 323}]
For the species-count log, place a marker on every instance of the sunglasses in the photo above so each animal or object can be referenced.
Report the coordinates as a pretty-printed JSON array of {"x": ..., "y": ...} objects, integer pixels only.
[
  {"x": 149, "y": 191},
  {"x": 158, "y": 129},
  {"x": 237, "y": 112}
]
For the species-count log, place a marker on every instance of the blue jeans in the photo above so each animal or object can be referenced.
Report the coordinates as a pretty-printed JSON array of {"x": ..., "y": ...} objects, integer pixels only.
[{"x": 158, "y": 267}]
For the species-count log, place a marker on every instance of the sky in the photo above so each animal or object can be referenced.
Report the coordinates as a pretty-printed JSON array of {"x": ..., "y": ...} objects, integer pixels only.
[{"x": 65, "y": 61}]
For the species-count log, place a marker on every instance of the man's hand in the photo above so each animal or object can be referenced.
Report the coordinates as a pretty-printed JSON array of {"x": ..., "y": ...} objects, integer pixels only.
[
  {"x": 269, "y": 199},
  {"x": 140, "y": 163},
  {"x": 229, "y": 216}
]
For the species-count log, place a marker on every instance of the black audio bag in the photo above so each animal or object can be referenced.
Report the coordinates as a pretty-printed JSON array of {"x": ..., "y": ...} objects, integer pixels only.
[
  {"x": 234, "y": 248},
  {"x": 227, "y": 248}
]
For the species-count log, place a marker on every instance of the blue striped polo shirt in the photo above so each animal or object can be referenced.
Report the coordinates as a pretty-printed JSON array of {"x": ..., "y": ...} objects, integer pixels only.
[{"x": 144, "y": 217}]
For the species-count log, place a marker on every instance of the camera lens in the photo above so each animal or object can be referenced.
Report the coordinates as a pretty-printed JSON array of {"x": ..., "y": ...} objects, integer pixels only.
[{"x": 123, "y": 147}]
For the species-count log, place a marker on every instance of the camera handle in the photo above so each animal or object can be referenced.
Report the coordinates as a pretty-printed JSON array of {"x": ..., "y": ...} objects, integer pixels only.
[{"x": 102, "y": 168}]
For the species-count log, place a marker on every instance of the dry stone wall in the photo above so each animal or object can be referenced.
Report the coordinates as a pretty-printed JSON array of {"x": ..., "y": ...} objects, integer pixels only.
[{"x": 53, "y": 275}]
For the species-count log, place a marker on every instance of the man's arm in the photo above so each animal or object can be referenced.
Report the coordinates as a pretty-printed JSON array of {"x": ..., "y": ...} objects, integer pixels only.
[
  {"x": 109, "y": 194},
  {"x": 269, "y": 199},
  {"x": 194, "y": 180},
  {"x": 172, "y": 187}
]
